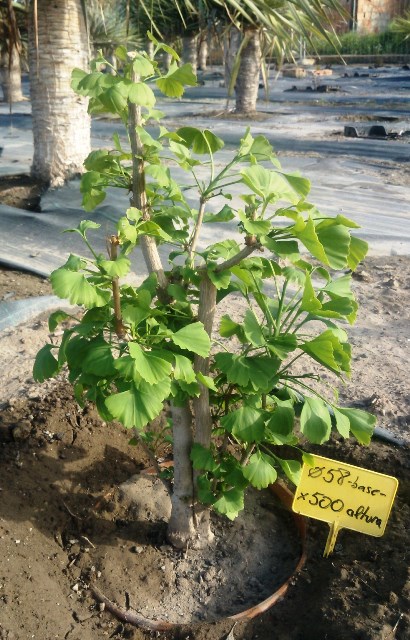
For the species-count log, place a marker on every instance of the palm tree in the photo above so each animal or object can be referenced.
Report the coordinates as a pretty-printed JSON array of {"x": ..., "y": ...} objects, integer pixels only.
[
  {"x": 401, "y": 25},
  {"x": 61, "y": 125},
  {"x": 108, "y": 27},
  {"x": 10, "y": 49},
  {"x": 176, "y": 23},
  {"x": 270, "y": 26},
  {"x": 265, "y": 26}
]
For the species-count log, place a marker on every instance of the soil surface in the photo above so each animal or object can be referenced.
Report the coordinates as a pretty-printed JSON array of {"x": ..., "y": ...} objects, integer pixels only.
[
  {"x": 66, "y": 522},
  {"x": 21, "y": 191}
]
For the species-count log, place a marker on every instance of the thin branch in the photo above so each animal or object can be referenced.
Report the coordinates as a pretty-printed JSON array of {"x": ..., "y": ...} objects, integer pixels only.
[
  {"x": 139, "y": 194},
  {"x": 236, "y": 259},
  {"x": 119, "y": 326},
  {"x": 197, "y": 229}
]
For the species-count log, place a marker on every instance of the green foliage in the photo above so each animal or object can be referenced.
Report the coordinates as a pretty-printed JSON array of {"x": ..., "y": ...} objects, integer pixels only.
[
  {"x": 391, "y": 41},
  {"x": 135, "y": 348}
]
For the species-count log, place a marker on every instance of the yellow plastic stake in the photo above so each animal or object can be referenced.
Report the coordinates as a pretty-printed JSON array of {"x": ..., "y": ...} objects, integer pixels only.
[
  {"x": 345, "y": 496},
  {"x": 331, "y": 538}
]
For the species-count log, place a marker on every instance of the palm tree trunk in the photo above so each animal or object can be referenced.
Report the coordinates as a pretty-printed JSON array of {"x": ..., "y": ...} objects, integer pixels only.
[
  {"x": 203, "y": 54},
  {"x": 167, "y": 59},
  {"x": 10, "y": 76},
  {"x": 247, "y": 83},
  {"x": 190, "y": 51},
  {"x": 61, "y": 124},
  {"x": 232, "y": 41}
]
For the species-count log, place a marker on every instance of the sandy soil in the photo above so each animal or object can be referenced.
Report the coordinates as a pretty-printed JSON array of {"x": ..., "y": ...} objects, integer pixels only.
[{"x": 63, "y": 522}]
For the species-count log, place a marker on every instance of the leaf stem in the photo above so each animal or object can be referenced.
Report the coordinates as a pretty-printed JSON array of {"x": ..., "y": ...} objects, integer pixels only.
[
  {"x": 247, "y": 454},
  {"x": 197, "y": 229},
  {"x": 280, "y": 309},
  {"x": 118, "y": 323}
]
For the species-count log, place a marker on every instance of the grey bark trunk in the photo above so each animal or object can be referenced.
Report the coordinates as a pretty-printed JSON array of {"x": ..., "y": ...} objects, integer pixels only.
[
  {"x": 247, "y": 82},
  {"x": 190, "y": 51},
  {"x": 232, "y": 40},
  {"x": 202, "y": 412},
  {"x": 203, "y": 54},
  {"x": 61, "y": 124},
  {"x": 167, "y": 60},
  {"x": 181, "y": 530},
  {"x": 10, "y": 76},
  {"x": 190, "y": 521},
  {"x": 149, "y": 48}
]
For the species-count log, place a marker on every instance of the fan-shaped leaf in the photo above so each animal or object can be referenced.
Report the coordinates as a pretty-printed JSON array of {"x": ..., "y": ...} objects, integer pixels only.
[
  {"x": 260, "y": 470},
  {"x": 137, "y": 406}
]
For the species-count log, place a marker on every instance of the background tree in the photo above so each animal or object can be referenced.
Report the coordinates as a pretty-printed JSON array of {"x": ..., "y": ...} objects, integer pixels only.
[
  {"x": 61, "y": 125},
  {"x": 12, "y": 23},
  {"x": 269, "y": 28},
  {"x": 109, "y": 26},
  {"x": 401, "y": 25},
  {"x": 265, "y": 27}
]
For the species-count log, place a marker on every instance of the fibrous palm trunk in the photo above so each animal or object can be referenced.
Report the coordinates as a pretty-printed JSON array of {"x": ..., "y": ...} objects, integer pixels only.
[
  {"x": 247, "y": 82},
  {"x": 10, "y": 76},
  {"x": 61, "y": 124},
  {"x": 232, "y": 41},
  {"x": 190, "y": 51},
  {"x": 203, "y": 54}
]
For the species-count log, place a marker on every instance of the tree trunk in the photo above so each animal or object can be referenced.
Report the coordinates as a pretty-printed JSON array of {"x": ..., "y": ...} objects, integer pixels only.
[
  {"x": 149, "y": 48},
  {"x": 190, "y": 51},
  {"x": 181, "y": 528},
  {"x": 61, "y": 124},
  {"x": 203, "y": 54},
  {"x": 232, "y": 41},
  {"x": 247, "y": 83},
  {"x": 10, "y": 76},
  {"x": 190, "y": 521},
  {"x": 167, "y": 60},
  {"x": 202, "y": 411}
]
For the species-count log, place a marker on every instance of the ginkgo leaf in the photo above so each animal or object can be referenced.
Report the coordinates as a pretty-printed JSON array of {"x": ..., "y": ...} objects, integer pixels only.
[
  {"x": 292, "y": 469},
  {"x": 141, "y": 94},
  {"x": 45, "y": 365},
  {"x": 200, "y": 141},
  {"x": 116, "y": 268},
  {"x": 246, "y": 423},
  {"x": 260, "y": 470},
  {"x": 202, "y": 458},
  {"x": 76, "y": 288},
  {"x": 315, "y": 421},
  {"x": 150, "y": 365},
  {"x": 193, "y": 338},
  {"x": 243, "y": 370},
  {"x": 99, "y": 359},
  {"x": 361, "y": 423},
  {"x": 252, "y": 329},
  {"x": 138, "y": 406},
  {"x": 184, "y": 369},
  {"x": 142, "y": 66},
  {"x": 172, "y": 85},
  {"x": 230, "y": 503}
]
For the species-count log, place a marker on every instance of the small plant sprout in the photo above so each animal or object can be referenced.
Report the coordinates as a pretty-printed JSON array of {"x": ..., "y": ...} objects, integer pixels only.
[{"x": 230, "y": 386}]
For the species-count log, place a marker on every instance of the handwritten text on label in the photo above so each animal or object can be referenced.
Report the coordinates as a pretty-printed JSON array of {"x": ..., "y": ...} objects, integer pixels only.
[{"x": 345, "y": 496}]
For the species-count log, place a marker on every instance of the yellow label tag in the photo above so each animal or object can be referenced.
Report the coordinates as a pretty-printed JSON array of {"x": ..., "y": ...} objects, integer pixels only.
[{"x": 345, "y": 496}]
